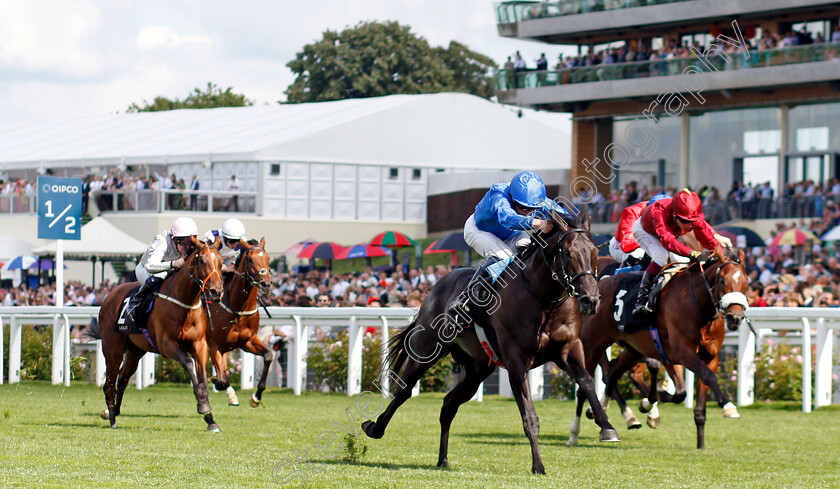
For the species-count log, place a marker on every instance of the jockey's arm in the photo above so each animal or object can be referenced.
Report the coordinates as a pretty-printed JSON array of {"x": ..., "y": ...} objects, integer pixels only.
[
  {"x": 707, "y": 236},
  {"x": 156, "y": 262}
]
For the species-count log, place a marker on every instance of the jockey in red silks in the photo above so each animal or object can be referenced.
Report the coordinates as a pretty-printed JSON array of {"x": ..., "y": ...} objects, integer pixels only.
[
  {"x": 623, "y": 245},
  {"x": 657, "y": 231}
]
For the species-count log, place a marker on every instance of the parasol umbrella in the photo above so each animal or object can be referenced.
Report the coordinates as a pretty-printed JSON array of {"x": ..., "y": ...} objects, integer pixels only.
[
  {"x": 391, "y": 239},
  {"x": 24, "y": 262},
  {"x": 362, "y": 250},
  {"x": 324, "y": 250},
  {"x": 432, "y": 248},
  {"x": 298, "y": 247},
  {"x": 794, "y": 237},
  {"x": 450, "y": 242},
  {"x": 752, "y": 239},
  {"x": 453, "y": 254},
  {"x": 832, "y": 235}
]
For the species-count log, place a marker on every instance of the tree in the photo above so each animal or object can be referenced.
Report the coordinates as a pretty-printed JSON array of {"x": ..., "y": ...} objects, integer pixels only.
[
  {"x": 213, "y": 96},
  {"x": 374, "y": 59}
]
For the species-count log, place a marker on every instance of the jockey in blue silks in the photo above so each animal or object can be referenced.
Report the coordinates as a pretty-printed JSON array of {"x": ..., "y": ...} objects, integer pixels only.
[{"x": 501, "y": 223}]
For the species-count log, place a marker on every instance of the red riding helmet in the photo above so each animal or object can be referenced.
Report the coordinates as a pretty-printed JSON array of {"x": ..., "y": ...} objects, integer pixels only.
[{"x": 687, "y": 206}]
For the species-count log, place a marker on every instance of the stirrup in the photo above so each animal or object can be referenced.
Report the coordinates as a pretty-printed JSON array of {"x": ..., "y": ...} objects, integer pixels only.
[{"x": 642, "y": 309}]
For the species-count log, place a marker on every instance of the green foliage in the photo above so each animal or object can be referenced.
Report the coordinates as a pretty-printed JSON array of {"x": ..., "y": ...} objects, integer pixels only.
[
  {"x": 170, "y": 370},
  {"x": 328, "y": 361},
  {"x": 374, "y": 59},
  {"x": 778, "y": 373},
  {"x": 211, "y": 97}
]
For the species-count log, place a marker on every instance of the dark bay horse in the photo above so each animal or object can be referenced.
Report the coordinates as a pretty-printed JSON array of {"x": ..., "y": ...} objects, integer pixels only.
[
  {"x": 533, "y": 317},
  {"x": 236, "y": 319},
  {"x": 176, "y": 325},
  {"x": 695, "y": 308}
]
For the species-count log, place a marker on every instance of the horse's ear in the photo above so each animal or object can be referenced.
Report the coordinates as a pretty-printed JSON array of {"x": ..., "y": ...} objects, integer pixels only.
[
  {"x": 587, "y": 221},
  {"x": 196, "y": 242},
  {"x": 719, "y": 254},
  {"x": 262, "y": 242},
  {"x": 217, "y": 241},
  {"x": 244, "y": 244},
  {"x": 741, "y": 257}
]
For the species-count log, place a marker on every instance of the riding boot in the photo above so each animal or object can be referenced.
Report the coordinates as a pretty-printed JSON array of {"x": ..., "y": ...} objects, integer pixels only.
[
  {"x": 460, "y": 310},
  {"x": 643, "y": 300},
  {"x": 148, "y": 286}
]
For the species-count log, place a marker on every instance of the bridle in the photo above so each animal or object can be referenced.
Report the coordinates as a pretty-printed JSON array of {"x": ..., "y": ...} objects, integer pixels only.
[
  {"x": 249, "y": 278},
  {"x": 202, "y": 284},
  {"x": 563, "y": 278},
  {"x": 725, "y": 300}
]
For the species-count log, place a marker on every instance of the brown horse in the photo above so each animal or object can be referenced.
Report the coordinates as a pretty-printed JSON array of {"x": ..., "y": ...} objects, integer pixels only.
[
  {"x": 532, "y": 318},
  {"x": 236, "y": 318},
  {"x": 693, "y": 309},
  {"x": 176, "y": 326}
]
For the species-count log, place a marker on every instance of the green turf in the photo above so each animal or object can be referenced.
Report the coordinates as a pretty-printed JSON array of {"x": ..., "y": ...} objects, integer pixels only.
[{"x": 52, "y": 436}]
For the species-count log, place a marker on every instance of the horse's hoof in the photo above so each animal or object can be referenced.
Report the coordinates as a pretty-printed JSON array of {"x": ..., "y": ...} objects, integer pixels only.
[
  {"x": 104, "y": 414},
  {"x": 539, "y": 469},
  {"x": 253, "y": 401},
  {"x": 590, "y": 414},
  {"x": 233, "y": 403},
  {"x": 609, "y": 434},
  {"x": 634, "y": 423},
  {"x": 654, "y": 422},
  {"x": 368, "y": 426},
  {"x": 444, "y": 464},
  {"x": 573, "y": 441},
  {"x": 114, "y": 426},
  {"x": 730, "y": 411},
  {"x": 213, "y": 428}
]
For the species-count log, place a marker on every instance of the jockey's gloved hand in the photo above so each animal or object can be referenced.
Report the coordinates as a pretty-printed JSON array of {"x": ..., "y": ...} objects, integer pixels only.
[
  {"x": 695, "y": 256},
  {"x": 178, "y": 263}
]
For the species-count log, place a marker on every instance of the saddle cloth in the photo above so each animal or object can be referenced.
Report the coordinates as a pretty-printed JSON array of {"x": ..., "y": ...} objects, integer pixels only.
[
  {"x": 627, "y": 292},
  {"x": 125, "y": 324}
]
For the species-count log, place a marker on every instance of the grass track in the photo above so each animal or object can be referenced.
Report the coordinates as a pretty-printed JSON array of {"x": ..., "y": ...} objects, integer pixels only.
[{"x": 52, "y": 436}]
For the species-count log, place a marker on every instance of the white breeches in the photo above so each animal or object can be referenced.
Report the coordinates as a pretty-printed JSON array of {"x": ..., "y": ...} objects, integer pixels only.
[
  {"x": 488, "y": 244},
  {"x": 143, "y": 274},
  {"x": 620, "y": 256},
  {"x": 650, "y": 243}
]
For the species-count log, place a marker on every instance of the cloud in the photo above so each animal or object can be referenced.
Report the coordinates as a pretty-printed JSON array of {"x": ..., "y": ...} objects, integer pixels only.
[
  {"x": 158, "y": 37},
  {"x": 32, "y": 40}
]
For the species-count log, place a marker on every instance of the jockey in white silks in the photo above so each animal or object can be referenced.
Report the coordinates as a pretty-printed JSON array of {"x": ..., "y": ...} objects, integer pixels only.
[{"x": 231, "y": 232}]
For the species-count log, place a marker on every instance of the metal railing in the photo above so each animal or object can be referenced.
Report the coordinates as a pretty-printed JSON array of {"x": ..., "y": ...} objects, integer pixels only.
[
  {"x": 517, "y": 11},
  {"x": 513, "y": 79},
  {"x": 174, "y": 200},
  {"x": 817, "y": 326}
]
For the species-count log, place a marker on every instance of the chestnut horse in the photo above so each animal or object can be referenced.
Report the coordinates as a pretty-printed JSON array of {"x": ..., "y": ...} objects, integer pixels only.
[
  {"x": 693, "y": 308},
  {"x": 176, "y": 326},
  {"x": 236, "y": 319},
  {"x": 534, "y": 318}
]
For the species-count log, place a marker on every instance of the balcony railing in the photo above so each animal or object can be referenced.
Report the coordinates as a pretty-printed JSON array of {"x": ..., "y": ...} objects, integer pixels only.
[
  {"x": 512, "y": 12},
  {"x": 511, "y": 79}
]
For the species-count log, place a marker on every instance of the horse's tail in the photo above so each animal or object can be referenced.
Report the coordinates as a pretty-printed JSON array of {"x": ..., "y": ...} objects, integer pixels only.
[
  {"x": 397, "y": 352},
  {"x": 92, "y": 331}
]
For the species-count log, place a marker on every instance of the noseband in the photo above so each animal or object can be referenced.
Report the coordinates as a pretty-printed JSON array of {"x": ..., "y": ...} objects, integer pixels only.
[
  {"x": 202, "y": 284},
  {"x": 566, "y": 281},
  {"x": 725, "y": 300},
  {"x": 249, "y": 278}
]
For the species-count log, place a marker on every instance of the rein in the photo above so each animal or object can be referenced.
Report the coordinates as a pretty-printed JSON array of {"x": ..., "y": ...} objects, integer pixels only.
[
  {"x": 719, "y": 305},
  {"x": 566, "y": 281},
  {"x": 251, "y": 281}
]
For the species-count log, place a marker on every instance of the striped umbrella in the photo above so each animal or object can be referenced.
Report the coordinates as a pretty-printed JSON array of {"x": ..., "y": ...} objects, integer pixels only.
[
  {"x": 298, "y": 247},
  {"x": 321, "y": 250},
  {"x": 362, "y": 250},
  {"x": 391, "y": 239},
  {"x": 794, "y": 237}
]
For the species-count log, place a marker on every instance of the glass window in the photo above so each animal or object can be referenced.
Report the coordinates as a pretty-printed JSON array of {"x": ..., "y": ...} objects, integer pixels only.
[
  {"x": 667, "y": 146},
  {"x": 275, "y": 169},
  {"x": 819, "y": 124},
  {"x": 717, "y": 138},
  {"x": 394, "y": 173}
]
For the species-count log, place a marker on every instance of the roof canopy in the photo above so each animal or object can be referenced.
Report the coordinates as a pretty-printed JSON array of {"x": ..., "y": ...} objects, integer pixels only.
[
  {"x": 100, "y": 239},
  {"x": 451, "y": 130}
]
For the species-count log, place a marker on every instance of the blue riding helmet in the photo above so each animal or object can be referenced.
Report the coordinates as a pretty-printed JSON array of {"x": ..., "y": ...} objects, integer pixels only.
[
  {"x": 658, "y": 197},
  {"x": 527, "y": 189}
]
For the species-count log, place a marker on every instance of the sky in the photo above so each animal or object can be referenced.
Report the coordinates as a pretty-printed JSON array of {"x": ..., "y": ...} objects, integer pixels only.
[{"x": 66, "y": 58}]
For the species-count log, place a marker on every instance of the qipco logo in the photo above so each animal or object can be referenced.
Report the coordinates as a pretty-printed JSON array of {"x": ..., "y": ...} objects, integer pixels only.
[{"x": 60, "y": 189}]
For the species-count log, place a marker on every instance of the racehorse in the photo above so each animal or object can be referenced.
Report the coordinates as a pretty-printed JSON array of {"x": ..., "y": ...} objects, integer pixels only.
[
  {"x": 534, "y": 318},
  {"x": 693, "y": 309},
  {"x": 176, "y": 327},
  {"x": 236, "y": 320}
]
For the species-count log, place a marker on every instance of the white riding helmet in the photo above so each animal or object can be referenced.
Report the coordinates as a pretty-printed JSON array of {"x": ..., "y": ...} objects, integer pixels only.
[
  {"x": 233, "y": 229},
  {"x": 183, "y": 227}
]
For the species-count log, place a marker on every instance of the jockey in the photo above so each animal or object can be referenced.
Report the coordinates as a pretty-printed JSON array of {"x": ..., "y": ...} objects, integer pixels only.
[
  {"x": 231, "y": 232},
  {"x": 166, "y": 252},
  {"x": 657, "y": 231},
  {"x": 499, "y": 224},
  {"x": 623, "y": 245}
]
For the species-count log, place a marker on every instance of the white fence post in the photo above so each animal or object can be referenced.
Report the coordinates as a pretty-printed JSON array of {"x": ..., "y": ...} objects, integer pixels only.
[
  {"x": 15, "y": 332},
  {"x": 384, "y": 378},
  {"x": 148, "y": 371},
  {"x": 100, "y": 364},
  {"x": 301, "y": 340},
  {"x": 58, "y": 350},
  {"x": 806, "y": 365},
  {"x": 479, "y": 394},
  {"x": 504, "y": 383},
  {"x": 746, "y": 367},
  {"x": 536, "y": 381},
  {"x": 823, "y": 370},
  {"x": 66, "y": 330},
  {"x": 354, "y": 357},
  {"x": 598, "y": 379},
  {"x": 246, "y": 372}
]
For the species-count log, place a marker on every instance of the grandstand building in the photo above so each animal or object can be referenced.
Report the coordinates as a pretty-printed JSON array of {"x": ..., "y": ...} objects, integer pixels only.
[{"x": 690, "y": 92}]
